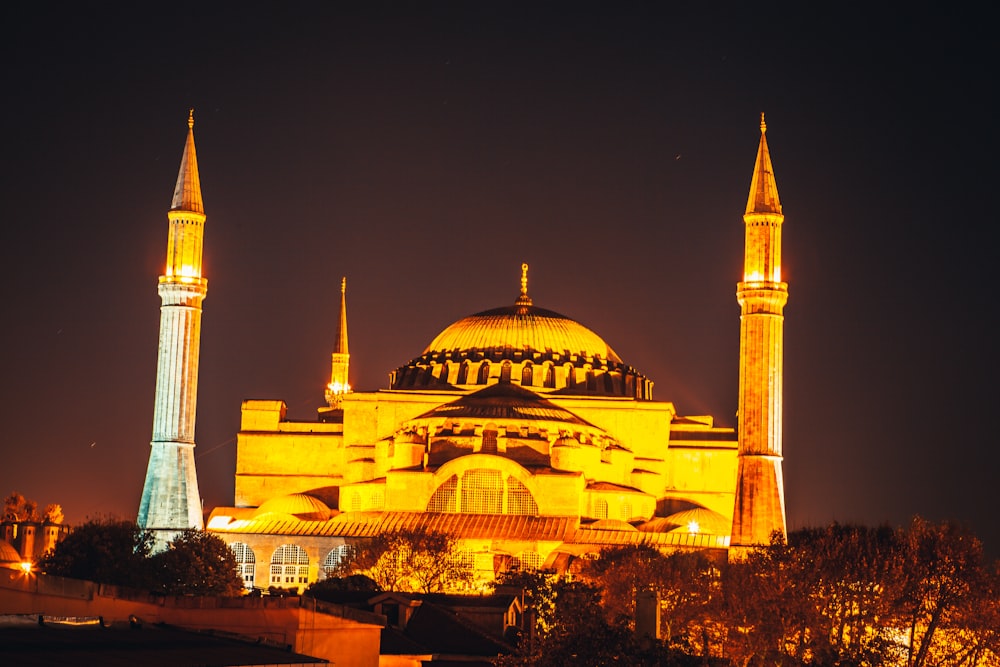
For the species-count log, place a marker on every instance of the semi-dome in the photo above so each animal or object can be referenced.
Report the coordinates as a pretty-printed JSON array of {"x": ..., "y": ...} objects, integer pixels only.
[{"x": 524, "y": 344}]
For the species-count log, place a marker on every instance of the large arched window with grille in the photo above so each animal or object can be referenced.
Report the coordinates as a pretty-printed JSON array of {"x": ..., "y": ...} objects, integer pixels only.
[
  {"x": 526, "y": 374},
  {"x": 484, "y": 373},
  {"x": 483, "y": 491},
  {"x": 334, "y": 558},
  {"x": 463, "y": 373},
  {"x": 289, "y": 566},
  {"x": 246, "y": 562}
]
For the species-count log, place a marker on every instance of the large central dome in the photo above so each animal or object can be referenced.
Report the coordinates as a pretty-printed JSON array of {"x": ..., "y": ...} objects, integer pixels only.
[
  {"x": 522, "y": 344},
  {"x": 525, "y": 328}
]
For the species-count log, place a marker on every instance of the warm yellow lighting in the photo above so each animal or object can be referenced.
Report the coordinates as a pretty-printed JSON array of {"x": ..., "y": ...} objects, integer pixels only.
[
  {"x": 753, "y": 277},
  {"x": 338, "y": 387},
  {"x": 693, "y": 527},
  {"x": 26, "y": 566}
]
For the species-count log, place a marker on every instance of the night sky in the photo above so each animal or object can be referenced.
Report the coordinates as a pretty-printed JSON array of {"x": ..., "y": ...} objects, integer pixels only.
[{"x": 425, "y": 150}]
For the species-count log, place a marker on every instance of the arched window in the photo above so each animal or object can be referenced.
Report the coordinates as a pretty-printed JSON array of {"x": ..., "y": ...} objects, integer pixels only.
[
  {"x": 483, "y": 491},
  {"x": 526, "y": 375},
  {"x": 289, "y": 566},
  {"x": 519, "y": 499},
  {"x": 484, "y": 373},
  {"x": 444, "y": 498},
  {"x": 570, "y": 375},
  {"x": 463, "y": 373},
  {"x": 591, "y": 380},
  {"x": 550, "y": 376},
  {"x": 334, "y": 558},
  {"x": 626, "y": 511},
  {"x": 609, "y": 383},
  {"x": 505, "y": 372},
  {"x": 444, "y": 372},
  {"x": 246, "y": 562}
]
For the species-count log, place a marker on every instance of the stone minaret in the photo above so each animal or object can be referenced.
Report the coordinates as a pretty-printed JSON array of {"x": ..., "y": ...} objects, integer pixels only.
[
  {"x": 341, "y": 358},
  {"x": 760, "y": 496},
  {"x": 170, "y": 500}
]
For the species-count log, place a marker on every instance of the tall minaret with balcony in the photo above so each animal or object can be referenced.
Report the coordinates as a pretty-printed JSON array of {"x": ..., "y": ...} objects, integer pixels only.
[
  {"x": 170, "y": 500},
  {"x": 341, "y": 358},
  {"x": 760, "y": 497}
]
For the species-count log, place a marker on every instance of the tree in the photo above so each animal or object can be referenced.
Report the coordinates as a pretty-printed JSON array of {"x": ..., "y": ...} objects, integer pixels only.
[
  {"x": 18, "y": 508},
  {"x": 944, "y": 565},
  {"x": 416, "y": 560},
  {"x": 196, "y": 563},
  {"x": 106, "y": 550},
  {"x": 686, "y": 584},
  {"x": 329, "y": 588},
  {"x": 53, "y": 513}
]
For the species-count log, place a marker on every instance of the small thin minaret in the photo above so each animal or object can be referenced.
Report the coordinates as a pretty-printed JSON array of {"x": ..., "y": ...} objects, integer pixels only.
[
  {"x": 340, "y": 360},
  {"x": 170, "y": 500},
  {"x": 760, "y": 498}
]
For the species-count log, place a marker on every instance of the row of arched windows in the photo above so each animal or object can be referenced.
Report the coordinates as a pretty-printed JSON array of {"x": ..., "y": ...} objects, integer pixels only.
[{"x": 289, "y": 566}]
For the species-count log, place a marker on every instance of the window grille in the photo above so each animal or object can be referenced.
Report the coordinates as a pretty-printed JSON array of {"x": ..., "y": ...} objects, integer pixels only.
[
  {"x": 601, "y": 509},
  {"x": 482, "y": 492},
  {"x": 519, "y": 499},
  {"x": 529, "y": 560},
  {"x": 289, "y": 565},
  {"x": 443, "y": 499},
  {"x": 526, "y": 375},
  {"x": 334, "y": 558},
  {"x": 245, "y": 562},
  {"x": 463, "y": 373}
]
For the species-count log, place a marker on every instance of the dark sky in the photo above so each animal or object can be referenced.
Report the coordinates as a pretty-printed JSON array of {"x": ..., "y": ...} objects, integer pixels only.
[{"x": 425, "y": 150}]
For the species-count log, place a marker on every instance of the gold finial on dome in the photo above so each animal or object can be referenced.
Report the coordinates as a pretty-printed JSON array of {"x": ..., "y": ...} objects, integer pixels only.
[
  {"x": 523, "y": 302},
  {"x": 763, "y": 125},
  {"x": 191, "y": 118}
]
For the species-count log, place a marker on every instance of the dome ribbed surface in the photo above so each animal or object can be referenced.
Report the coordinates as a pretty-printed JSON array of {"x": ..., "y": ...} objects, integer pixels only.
[
  {"x": 8, "y": 554},
  {"x": 522, "y": 328},
  {"x": 300, "y": 505}
]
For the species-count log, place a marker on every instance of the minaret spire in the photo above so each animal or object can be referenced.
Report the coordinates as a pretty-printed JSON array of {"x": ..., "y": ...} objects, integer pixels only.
[
  {"x": 341, "y": 357},
  {"x": 760, "y": 498},
  {"x": 170, "y": 500}
]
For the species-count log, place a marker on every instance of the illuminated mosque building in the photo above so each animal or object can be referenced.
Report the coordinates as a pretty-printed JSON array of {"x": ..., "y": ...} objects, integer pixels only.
[{"x": 517, "y": 430}]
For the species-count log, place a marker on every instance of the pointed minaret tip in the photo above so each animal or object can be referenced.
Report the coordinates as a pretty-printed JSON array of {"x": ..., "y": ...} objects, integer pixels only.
[
  {"x": 763, "y": 188},
  {"x": 343, "y": 285},
  {"x": 187, "y": 191}
]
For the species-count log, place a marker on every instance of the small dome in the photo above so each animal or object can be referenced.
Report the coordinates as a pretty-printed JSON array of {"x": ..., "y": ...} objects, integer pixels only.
[
  {"x": 703, "y": 520},
  {"x": 8, "y": 554},
  {"x": 300, "y": 505}
]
